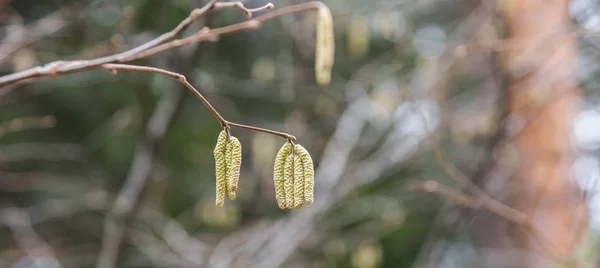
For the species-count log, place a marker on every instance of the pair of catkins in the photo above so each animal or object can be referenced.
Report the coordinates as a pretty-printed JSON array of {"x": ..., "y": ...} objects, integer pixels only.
[{"x": 293, "y": 172}]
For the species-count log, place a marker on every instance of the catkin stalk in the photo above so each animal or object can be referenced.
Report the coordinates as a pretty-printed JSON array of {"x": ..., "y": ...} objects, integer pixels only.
[
  {"x": 324, "y": 47},
  {"x": 234, "y": 162},
  {"x": 309, "y": 174},
  {"x": 220, "y": 169},
  {"x": 298, "y": 181},
  {"x": 288, "y": 174},
  {"x": 278, "y": 174}
]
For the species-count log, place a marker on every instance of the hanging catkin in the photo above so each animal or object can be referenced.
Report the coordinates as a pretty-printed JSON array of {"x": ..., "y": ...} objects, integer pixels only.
[
  {"x": 309, "y": 174},
  {"x": 298, "y": 180},
  {"x": 220, "y": 168},
  {"x": 278, "y": 174},
  {"x": 324, "y": 46},
  {"x": 288, "y": 174},
  {"x": 234, "y": 162}
]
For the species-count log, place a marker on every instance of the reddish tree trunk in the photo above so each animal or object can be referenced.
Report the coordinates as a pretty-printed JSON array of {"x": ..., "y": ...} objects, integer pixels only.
[{"x": 544, "y": 99}]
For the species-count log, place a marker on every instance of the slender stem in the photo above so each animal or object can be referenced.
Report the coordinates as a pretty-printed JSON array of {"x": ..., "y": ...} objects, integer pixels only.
[
  {"x": 277, "y": 133},
  {"x": 290, "y": 9},
  {"x": 169, "y": 35},
  {"x": 158, "y": 44},
  {"x": 247, "y": 11},
  {"x": 181, "y": 78},
  {"x": 59, "y": 67}
]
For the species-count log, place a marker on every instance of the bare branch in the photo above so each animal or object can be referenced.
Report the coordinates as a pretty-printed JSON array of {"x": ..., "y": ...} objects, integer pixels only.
[
  {"x": 30, "y": 33},
  {"x": 247, "y": 11},
  {"x": 181, "y": 78},
  {"x": 41, "y": 151},
  {"x": 158, "y": 44}
]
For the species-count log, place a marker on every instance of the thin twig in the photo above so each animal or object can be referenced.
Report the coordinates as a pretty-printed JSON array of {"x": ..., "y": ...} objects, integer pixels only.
[
  {"x": 290, "y": 137},
  {"x": 28, "y": 34},
  {"x": 207, "y": 34},
  {"x": 57, "y": 67},
  {"x": 169, "y": 35},
  {"x": 181, "y": 78},
  {"x": 247, "y": 11},
  {"x": 158, "y": 44}
]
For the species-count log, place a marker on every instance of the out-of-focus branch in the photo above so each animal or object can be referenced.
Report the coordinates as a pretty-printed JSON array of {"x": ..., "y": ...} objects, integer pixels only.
[
  {"x": 513, "y": 215},
  {"x": 165, "y": 235},
  {"x": 489, "y": 204},
  {"x": 26, "y": 123},
  {"x": 30, "y": 242},
  {"x": 139, "y": 174},
  {"x": 156, "y": 251},
  {"x": 41, "y": 151},
  {"x": 481, "y": 199},
  {"x": 27, "y": 34}
]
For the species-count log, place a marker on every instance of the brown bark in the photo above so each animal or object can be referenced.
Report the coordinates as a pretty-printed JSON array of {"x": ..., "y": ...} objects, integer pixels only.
[{"x": 543, "y": 97}]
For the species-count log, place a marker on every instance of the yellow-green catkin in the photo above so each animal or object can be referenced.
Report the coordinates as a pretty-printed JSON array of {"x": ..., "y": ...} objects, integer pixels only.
[
  {"x": 298, "y": 181},
  {"x": 288, "y": 174},
  {"x": 220, "y": 169},
  {"x": 278, "y": 174},
  {"x": 234, "y": 162},
  {"x": 324, "y": 46},
  {"x": 309, "y": 174}
]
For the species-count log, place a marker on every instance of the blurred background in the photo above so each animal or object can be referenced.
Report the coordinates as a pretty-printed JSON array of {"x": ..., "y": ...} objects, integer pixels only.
[{"x": 430, "y": 102}]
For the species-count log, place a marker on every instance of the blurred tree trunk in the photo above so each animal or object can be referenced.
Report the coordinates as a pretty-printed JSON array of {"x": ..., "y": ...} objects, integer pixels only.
[{"x": 542, "y": 104}]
